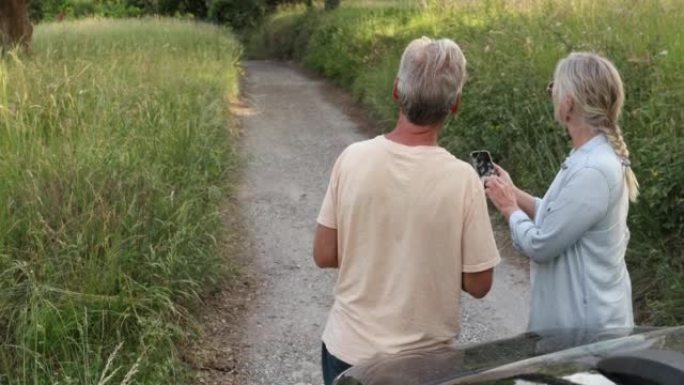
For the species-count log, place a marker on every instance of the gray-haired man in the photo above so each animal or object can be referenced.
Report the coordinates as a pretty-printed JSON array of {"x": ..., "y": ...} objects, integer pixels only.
[{"x": 406, "y": 223}]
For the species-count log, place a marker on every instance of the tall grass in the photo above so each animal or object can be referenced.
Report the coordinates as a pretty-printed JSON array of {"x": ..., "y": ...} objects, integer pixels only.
[
  {"x": 512, "y": 48},
  {"x": 114, "y": 155}
]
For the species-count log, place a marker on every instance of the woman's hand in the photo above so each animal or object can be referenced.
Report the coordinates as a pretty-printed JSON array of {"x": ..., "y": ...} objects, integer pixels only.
[
  {"x": 501, "y": 192},
  {"x": 503, "y": 174}
]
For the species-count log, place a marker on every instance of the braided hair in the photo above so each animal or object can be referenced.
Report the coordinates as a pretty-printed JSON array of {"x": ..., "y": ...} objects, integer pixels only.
[{"x": 597, "y": 90}]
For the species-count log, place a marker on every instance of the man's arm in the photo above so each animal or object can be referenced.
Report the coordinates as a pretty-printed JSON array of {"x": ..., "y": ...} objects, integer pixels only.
[
  {"x": 478, "y": 249},
  {"x": 325, "y": 247},
  {"x": 478, "y": 284}
]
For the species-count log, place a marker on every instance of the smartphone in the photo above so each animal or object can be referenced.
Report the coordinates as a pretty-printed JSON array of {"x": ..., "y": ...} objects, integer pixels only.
[{"x": 482, "y": 161}]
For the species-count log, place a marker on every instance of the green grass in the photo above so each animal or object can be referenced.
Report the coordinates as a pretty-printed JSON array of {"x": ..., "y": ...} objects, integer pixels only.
[
  {"x": 512, "y": 48},
  {"x": 114, "y": 158}
]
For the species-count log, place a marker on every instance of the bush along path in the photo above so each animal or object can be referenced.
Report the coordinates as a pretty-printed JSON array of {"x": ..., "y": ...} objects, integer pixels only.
[{"x": 294, "y": 130}]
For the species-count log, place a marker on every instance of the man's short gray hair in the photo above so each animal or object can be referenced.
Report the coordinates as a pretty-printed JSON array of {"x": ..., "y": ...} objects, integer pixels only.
[{"x": 430, "y": 79}]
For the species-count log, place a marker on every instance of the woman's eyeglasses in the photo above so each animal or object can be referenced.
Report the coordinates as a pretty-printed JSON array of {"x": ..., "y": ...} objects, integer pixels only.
[{"x": 549, "y": 88}]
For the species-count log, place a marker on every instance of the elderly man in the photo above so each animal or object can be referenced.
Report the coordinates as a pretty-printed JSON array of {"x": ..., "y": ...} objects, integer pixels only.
[{"x": 406, "y": 223}]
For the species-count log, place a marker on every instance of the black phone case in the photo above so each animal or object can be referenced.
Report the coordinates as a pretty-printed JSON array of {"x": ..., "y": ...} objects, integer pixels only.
[{"x": 482, "y": 161}]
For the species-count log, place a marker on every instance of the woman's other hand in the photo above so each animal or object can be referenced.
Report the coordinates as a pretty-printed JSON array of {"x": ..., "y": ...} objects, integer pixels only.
[
  {"x": 503, "y": 174},
  {"x": 501, "y": 192}
]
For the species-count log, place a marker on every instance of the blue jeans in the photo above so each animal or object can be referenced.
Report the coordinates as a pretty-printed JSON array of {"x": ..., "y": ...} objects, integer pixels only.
[{"x": 332, "y": 366}]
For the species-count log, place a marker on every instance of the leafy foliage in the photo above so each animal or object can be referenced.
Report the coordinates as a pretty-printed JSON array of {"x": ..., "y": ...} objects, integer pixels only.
[
  {"x": 240, "y": 14},
  {"x": 236, "y": 13}
]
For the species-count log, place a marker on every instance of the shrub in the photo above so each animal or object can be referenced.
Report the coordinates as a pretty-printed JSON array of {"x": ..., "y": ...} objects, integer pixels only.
[
  {"x": 237, "y": 13},
  {"x": 80, "y": 8}
]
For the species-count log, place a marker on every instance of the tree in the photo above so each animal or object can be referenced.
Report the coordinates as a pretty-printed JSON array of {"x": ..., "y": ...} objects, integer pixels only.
[
  {"x": 331, "y": 4},
  {"x": 15, "y": 26},
  {"x": 240, "y": 14}
]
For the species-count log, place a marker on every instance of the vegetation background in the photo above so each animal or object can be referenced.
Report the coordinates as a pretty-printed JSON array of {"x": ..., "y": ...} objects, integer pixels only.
[
  {"x": 239, "y": 14},
  {"x": 114, "y": 156},
  {"x": 115, "y": 153},
  {"x": 512, "y": 47}
]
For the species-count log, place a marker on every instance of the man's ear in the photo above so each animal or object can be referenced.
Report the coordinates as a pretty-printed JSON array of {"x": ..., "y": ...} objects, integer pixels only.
[
  {"x": 457, "y": 104},
  {"x": 395, "y": 90}
]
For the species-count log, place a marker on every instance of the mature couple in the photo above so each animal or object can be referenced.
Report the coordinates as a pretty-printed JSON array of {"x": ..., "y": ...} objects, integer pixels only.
[{"x": 406, "y": 223}]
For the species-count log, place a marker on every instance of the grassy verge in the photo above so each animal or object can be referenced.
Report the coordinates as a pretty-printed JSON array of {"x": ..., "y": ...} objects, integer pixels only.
[
  {"x": 114, "y": 156},
  {"x": 512, "y": 48}
]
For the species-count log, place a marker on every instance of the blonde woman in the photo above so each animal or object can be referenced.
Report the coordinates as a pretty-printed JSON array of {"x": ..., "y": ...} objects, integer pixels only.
[{"x": 577, "y": 235}]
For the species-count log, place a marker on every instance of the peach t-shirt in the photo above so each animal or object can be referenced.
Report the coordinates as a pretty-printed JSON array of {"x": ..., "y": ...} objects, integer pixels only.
[{"x": 409, "y": 220}]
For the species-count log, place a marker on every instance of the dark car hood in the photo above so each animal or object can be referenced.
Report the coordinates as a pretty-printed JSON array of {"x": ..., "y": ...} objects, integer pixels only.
[{"x": 555, "y": 351}]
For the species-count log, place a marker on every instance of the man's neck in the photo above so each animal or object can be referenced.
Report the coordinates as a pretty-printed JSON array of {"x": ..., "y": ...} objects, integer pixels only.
[{"x": 409, "y": 134}]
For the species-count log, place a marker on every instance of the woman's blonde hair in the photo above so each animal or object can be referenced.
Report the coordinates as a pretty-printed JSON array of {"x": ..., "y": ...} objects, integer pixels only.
[{"x": 595, "y": 85}]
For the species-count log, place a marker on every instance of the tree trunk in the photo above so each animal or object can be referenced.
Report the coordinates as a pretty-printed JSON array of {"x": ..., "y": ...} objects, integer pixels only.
[
  {"x": 15, "y": 26},
  {"x": 331, "y": 4}
]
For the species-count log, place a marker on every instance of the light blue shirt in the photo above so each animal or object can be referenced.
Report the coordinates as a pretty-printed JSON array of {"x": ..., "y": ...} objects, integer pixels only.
[{"x": 577, "y": 243}]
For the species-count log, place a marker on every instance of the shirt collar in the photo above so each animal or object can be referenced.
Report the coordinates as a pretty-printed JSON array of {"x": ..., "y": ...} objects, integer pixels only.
[{"x": 584, "y": 149}]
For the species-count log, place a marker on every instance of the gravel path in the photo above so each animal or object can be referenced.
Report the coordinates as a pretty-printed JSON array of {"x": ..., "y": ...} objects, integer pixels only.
[{"x": 292, "y": 137}]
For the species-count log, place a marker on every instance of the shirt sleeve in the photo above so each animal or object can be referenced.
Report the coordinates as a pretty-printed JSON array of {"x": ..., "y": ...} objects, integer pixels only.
[
  {"x": 581, "y": 203},
  {"x": 328, "y": 214},
  {"x": 537, "y": 205},
  {"x": 478, "y": 246}
]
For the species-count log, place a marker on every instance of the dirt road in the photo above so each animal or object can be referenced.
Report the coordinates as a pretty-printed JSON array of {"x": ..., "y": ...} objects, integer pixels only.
[{"x": 294, "y": 133}]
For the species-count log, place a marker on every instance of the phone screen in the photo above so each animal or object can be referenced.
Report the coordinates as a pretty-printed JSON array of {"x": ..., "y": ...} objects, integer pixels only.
[{"x": 482, "y": 161}]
